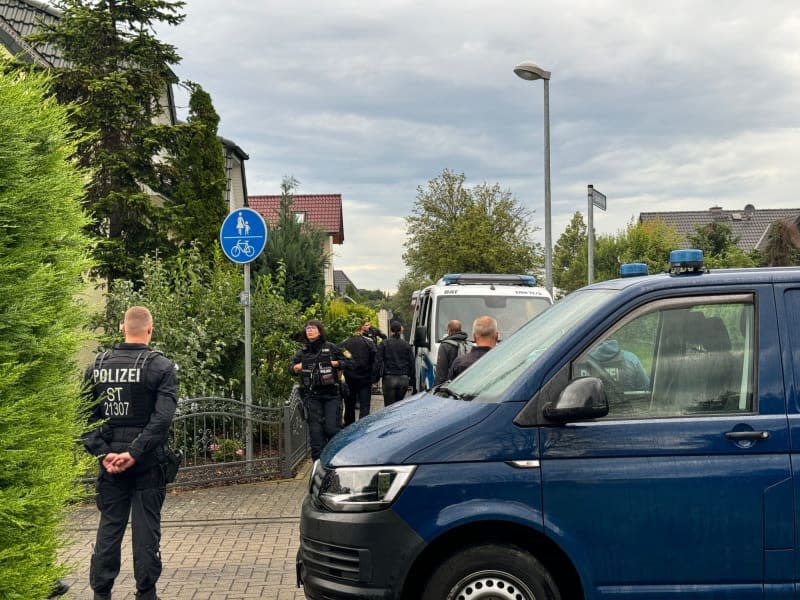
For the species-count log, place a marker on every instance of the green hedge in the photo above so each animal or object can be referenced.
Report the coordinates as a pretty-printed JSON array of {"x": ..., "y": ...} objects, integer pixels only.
[{"x": 43, "y": 254}]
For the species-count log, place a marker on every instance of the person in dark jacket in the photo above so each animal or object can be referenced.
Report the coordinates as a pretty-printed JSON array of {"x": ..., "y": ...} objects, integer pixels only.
[
  {"x": 448, "y": 350},
  {"x": 485, "y": 333},
  {"x": 372, "y": 333},
  {"x": 358, "y": 375},
  {"x": 395, "y": 363},
  {"x": 136, "y": 391},
  {"x": 623, "y": 367},
  {"x": 319, "y": 363}
]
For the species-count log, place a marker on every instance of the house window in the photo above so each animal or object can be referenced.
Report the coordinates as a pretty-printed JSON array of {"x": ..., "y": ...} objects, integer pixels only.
[{"x": 300, "y": 217}]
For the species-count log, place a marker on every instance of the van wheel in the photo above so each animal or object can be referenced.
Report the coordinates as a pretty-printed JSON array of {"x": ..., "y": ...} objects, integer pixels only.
[{"x": 491, "y": 572}]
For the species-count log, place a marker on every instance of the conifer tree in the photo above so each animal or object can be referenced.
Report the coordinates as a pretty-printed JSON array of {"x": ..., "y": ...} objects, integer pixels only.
[
  {"x": 299, "y": 248},
  {"x": 43, "y": 254},
  {"x": 193, "y": 178},
  {"x": 118, "y": 72}
]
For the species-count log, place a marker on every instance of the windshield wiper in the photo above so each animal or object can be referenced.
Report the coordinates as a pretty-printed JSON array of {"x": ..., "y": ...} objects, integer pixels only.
[{"x": 448, "y": 392}]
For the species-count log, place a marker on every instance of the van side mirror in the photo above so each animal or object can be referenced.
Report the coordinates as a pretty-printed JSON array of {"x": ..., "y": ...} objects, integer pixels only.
[
  {"x": 582, "y": 399},
  {"x": 421, "y": 336}
]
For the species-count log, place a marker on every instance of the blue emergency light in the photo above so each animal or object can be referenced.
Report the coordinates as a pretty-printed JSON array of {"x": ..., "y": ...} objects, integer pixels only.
[
  {"x": 488, "y": 278},
  {"x": 686, "y": 261},
  {"x": 633, "y": 270}
]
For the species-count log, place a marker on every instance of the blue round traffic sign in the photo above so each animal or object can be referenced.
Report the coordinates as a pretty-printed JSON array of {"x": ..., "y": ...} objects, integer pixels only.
[{"x": 243, "y": 235}]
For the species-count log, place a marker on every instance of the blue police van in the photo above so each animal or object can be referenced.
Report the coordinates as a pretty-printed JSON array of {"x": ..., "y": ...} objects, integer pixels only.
[{"x": 638, "y": 440}]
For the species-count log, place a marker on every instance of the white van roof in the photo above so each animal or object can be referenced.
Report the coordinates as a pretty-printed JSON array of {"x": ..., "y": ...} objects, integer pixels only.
[{"x": 487, "y": 278}]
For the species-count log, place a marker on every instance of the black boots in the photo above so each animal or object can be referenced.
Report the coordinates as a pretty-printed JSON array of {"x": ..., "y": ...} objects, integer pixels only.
[{"x": 61, "y": 587}]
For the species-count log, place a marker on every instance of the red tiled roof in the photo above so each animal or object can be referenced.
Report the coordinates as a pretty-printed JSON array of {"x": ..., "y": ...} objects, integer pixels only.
[{"x": 322, "y": 210}]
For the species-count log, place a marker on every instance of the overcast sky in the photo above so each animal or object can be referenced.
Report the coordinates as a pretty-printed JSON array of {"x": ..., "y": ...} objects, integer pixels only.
[{"x": 676, "y": 105}]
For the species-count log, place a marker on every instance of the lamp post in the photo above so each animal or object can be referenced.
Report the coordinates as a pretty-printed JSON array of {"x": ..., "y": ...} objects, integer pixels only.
[{"x": 531, "y": 72}]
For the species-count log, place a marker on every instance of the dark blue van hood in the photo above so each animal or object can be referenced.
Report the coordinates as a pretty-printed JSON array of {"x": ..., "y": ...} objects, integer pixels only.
[{"x": 391, "y": 435}]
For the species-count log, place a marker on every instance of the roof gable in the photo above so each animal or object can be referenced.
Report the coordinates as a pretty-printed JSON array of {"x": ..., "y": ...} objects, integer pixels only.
[
  {"x": 19, "y": 18},
  {"x": 750, "y": 225},
  {"x": 320, "y": 210},
  {"x": 341, "y": 281}
]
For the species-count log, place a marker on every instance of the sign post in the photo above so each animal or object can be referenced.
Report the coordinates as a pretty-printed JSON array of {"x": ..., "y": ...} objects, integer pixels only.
[
  {"x": 599, "y": 200},
  {"x": 242, "y": 236}
]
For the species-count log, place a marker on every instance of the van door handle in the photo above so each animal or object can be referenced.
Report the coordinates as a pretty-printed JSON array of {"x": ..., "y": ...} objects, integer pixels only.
[{"x": 747, "y": 435}]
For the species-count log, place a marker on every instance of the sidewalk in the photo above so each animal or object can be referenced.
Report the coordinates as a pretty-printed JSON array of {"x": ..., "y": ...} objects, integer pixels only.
[
  {"x": 235, "y": 542},
  {"x": 226, "y": 543}
]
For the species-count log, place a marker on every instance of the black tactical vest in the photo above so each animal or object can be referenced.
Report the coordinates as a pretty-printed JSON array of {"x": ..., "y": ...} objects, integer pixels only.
[{"x": 120, "y": 387}]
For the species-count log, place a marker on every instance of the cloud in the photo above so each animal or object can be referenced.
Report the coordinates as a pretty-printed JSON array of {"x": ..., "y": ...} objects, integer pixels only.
[{"x": 661, "y": 106}]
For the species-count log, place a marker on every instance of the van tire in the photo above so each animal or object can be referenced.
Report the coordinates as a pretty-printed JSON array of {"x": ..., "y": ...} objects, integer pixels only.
[{"x": 491, "y": 571}]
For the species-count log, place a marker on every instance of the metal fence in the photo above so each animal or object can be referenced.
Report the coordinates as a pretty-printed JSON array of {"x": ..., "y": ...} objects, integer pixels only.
[{"x": 225, "y": 441}]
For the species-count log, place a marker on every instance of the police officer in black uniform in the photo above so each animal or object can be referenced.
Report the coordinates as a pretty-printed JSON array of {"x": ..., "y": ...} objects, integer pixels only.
[
  {"x": 136, "y": 392},
  {"x": 395, "y": 361},
  {"x": 318, "y": 363}
]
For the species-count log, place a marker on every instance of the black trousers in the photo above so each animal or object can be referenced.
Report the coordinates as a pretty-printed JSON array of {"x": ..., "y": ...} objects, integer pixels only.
[
  {"x": 139, "y": 494},
  {"x": 394, "y": 388},
  {"x": 361, "y": 394},
  {"x": 324, "y": 416}
]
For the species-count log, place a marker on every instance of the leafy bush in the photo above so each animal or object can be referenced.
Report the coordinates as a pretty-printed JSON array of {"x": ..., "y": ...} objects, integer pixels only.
[
  {"x": 199, "y": 323},
  {"x": 342, "y": 318},
  {"x": 276, "y": 324},
  {"x": 196, "y": 314},
  {"x": 227, "y": 450}
]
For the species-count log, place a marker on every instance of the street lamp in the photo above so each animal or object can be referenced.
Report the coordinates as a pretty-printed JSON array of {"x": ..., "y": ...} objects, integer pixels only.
[{"x": 531, "y": 72}]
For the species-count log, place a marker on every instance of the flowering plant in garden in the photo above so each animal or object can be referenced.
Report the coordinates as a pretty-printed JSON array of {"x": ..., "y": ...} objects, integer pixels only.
[{"x": 226, "y": 450}]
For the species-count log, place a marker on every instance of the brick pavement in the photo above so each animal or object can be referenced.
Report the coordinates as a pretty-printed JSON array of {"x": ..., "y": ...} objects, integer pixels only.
[
  {"x": 233, "y": 542},
  {"x": 226, "y": 543}
]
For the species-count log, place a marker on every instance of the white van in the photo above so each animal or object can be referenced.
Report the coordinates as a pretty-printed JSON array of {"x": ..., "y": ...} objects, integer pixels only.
[{"x": 511, "y": 299}]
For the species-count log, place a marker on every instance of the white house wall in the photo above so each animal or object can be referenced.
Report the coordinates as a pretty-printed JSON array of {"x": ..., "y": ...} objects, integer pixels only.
[{"x": 328, "y": 249}]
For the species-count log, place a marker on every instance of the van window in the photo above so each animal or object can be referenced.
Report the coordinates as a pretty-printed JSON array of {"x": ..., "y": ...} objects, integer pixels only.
[
  {"x": 511, "y": 312},
  {"x": 677, "y": 359},
  {"x": 792, "y": 300},
  {"x": 488, "y": 379}
]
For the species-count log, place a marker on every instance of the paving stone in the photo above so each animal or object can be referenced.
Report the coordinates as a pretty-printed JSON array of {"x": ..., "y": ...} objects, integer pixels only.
[{"x": 234, "y": 542}]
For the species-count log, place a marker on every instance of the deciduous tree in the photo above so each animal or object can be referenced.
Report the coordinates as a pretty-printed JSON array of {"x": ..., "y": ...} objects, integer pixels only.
[
  {"x": 719, "y": 245},
  {"x": 783, "y": 244},
  {"x": 456, "y": 228},
  {"x": 569, "y": 256},
  {"x": 648, "y": 243}
]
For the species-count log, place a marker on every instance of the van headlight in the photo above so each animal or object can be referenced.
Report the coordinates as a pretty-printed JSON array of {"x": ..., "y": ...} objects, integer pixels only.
[{"x": 360, "y": 489}]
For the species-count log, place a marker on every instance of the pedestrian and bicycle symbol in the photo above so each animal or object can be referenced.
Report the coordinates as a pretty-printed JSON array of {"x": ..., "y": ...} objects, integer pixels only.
[{"x": 243, "y": 235}]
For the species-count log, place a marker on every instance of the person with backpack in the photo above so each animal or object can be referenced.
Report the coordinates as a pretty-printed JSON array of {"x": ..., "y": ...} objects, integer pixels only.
[
  {"x": 318, "y": 363},
  {"x": 358, "y": 375},
  {"x": 395, "y": 363},
  {"x": 453, "y": 345},
  {"x": 485, "y": 333}
]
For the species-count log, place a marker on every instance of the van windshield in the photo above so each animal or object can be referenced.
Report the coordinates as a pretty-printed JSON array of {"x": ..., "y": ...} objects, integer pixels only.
[
  {"x": 511, "y": 312},
  {"x": 487, "y": 379}
]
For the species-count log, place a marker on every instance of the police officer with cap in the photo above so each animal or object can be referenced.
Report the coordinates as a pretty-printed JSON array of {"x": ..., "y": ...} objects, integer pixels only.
[{"x": 135, "y": 390}]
